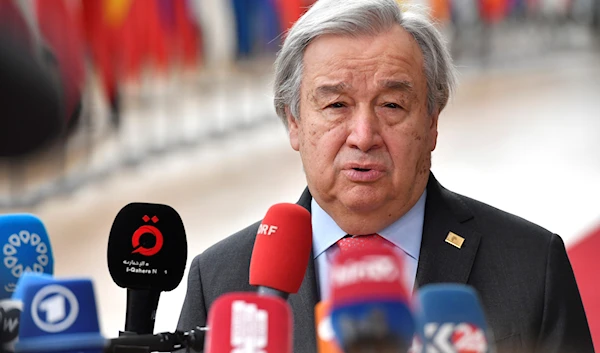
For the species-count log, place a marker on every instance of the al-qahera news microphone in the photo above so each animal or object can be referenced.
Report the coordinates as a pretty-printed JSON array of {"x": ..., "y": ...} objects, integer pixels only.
[
  {"x": 59, "y": 315},
  {"x": 25, "y": 248},
  {"x": 281, "y": 250},
  {"x": 147, "y": 253},
  {"x": 450, "y": 319},
  {"x": 249, "y": 323},
  {"x": 370, "y": 310}
]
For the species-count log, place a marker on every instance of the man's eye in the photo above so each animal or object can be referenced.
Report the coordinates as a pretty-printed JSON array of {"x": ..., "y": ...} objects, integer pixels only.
[
  {"x": 336, "y": 105},
  {"x": 392, "y": 105}
]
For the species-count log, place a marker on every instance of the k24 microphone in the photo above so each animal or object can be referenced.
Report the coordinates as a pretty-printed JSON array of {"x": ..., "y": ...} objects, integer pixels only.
[
  {"x": 450, "y": 319},
  {"x": 26, "y": 248},
  {"x": 370, "y": 310},
  {"x": 249, "y": 323},
  {"x": 147, "y": 253},
  {"x": 281, "y": 250},
  {"x": 59, "y": 315}
]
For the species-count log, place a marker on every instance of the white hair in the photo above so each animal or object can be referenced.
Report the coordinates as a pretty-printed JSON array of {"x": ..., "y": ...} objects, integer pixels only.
[{"x": 360, "y": 17}]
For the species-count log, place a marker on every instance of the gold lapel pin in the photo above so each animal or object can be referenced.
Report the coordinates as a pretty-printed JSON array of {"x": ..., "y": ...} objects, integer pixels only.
[{"x": 455, "y": 239}]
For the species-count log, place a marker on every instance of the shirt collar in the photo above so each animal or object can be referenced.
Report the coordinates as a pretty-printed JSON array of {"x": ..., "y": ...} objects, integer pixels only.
[{"x": 405, "y": 233}]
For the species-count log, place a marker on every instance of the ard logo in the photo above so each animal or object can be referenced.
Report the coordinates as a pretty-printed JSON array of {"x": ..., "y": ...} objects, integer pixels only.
[{"x": 54, "y": 308}]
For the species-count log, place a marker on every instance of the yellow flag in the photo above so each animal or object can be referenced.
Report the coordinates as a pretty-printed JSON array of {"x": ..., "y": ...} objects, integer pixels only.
[{"x": 115, "y": 11}]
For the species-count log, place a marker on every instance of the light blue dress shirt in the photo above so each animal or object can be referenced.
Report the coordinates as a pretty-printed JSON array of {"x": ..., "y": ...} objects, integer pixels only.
[{"x": 405, "y": 233}]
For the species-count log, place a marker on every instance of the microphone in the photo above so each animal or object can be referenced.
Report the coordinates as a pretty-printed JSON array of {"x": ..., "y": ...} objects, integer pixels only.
[
  {"x": 26, "y": 248},
  {"x": 370, "y": 310},
  {"x": 450, "y": 319},
  {"x": 31, "y": 103},
  {"x": 10, "y": 309},
  {"x": 59, "y": 315},
  {"x": 281, "y": 250},
  {"x": 249, "y": 322},
  {"x": 147, "y": 253},
  {"x": 325, "y": 336}
]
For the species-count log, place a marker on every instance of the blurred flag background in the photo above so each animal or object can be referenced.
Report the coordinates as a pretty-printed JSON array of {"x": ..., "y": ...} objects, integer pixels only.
[{"x": 170, "y": 101}]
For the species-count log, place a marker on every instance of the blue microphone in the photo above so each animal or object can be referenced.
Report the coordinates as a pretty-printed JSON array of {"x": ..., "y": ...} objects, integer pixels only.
[
  {"x": 370, "y": 310},
  {"x": 25, "y": 248},
  {"x": 59, "y": 316},
  {"x": 451, "y": 319}
]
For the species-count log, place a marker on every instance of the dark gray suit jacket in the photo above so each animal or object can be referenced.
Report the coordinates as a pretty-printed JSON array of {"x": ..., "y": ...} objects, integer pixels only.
[{"x": 520, "y": 270}]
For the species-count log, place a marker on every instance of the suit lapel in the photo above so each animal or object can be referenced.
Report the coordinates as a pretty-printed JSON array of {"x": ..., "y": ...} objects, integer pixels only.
[
  {"x": 303, "y": 303},
  {"x": 440, "y": 261}
]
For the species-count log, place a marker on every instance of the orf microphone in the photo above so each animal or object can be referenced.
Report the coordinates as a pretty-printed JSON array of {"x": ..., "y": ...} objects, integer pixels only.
[
  {"x": 281, "y": 250},
  {"x": 250, "y": 323},
  {"x": 370, "y": 310},
  {"x": 147, "y": 252},
  {"x": 450, "y": 319}
]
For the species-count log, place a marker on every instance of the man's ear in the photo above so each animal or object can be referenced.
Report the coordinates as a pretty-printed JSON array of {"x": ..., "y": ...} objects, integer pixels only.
[
  {"x": 293, "y": 129},
  {"x": 433, "y": 129}
]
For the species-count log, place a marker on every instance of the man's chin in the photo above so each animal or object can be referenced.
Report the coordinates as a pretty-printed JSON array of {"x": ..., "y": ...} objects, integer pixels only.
[{"x": 362, "y": 203}]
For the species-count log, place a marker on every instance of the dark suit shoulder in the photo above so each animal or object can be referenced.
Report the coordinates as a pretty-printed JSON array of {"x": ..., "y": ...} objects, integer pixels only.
[
  {"x": 233, "y": 245},
  {"x": 224, "y": 266},
  {"x": 505, "y": 225}
]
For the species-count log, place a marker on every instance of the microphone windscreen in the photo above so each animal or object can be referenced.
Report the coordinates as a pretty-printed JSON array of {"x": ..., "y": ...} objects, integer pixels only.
[
  {"x": 369, "y": 301},
  {"x": 147, "y": 247},
  {"x": 367, "y": 273},
  {"x": 247, "y": 322},
  {"x": 25, "y": 248},
  {"x": 450, "y": 318},
  {"x": 282, "y": 248},
  {"x": 26, "y": 280},
  {"x": 10, "y": 314},
  {"x": 60, "y": 316},
  {"x": 30, "y": 97}
]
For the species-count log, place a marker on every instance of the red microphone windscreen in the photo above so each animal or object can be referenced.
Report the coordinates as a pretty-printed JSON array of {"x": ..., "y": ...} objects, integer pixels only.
[
  {"x": 282, "y": 248},
  {"x": 247, "y": 322},
  {"x": 367, "y": 273}
]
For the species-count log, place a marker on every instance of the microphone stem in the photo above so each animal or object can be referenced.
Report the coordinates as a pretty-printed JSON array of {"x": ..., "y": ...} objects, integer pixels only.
[
  {"x": 270, "y": 292},
  {"x": 141, "y": 310}
]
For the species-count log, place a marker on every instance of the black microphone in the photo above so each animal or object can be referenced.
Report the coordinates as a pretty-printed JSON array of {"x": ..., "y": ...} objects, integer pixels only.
[
  {"x": 160, "y": 342},
  {"x": 147, "y": 253},
  {"x": 30, "y": 95}
]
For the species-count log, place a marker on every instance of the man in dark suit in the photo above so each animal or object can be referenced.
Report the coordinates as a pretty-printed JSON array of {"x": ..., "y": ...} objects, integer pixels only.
[{"x": 360, "y": 86}]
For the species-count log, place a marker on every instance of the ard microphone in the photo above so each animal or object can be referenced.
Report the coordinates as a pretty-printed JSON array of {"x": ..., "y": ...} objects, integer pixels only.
[
  {"x": 59, "y": 315},
  {"x": 370, "y": 309},
  {"x": 250, "y": 323},
  {"x": 147, "y": 253},
  {"x": 450, "y": 319},
  {"x": 281, "y": 250}
]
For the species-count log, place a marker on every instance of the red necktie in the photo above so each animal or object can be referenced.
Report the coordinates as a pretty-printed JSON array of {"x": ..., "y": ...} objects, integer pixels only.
[{"x": 362, "y": 241}]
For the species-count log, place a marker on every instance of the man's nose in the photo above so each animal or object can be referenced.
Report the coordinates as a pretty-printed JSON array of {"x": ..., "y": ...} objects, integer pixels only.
[{"x": 364, "y": 133}]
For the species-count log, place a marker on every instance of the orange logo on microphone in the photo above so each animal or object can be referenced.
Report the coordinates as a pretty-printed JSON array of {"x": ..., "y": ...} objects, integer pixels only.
[{"x": 147, "y": 229}]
